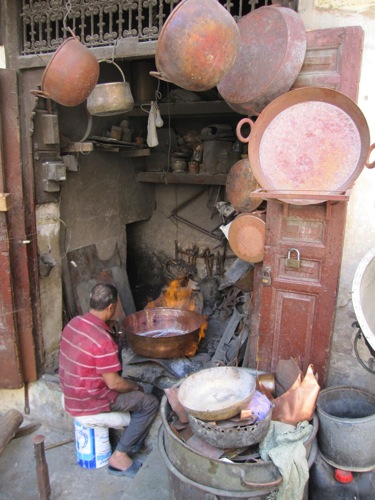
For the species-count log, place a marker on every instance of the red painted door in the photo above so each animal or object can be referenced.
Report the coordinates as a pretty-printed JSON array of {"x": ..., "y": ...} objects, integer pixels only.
[
  {"x": 294, "y": 316},
  {"x": 298, "y": 309}
]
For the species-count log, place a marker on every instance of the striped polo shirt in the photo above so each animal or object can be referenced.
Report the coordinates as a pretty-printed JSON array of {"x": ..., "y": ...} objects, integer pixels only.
[{"x": 86, "y": 351}]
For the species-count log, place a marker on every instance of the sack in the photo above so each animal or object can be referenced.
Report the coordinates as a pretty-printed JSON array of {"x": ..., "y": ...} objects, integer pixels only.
[{"x": 297, "y": 403}]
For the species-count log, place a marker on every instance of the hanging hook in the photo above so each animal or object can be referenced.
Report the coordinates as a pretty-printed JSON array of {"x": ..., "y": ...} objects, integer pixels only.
[
  {"x": 114, "y": 50},
  {"x": 68, "y": 12}
]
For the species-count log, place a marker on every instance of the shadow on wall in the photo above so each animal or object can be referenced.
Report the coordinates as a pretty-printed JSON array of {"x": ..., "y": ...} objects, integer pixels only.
[{"x": 145, "y": 272}]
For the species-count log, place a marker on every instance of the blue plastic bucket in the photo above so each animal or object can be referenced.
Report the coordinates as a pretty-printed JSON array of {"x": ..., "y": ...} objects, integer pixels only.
[{"x": 92, "y": 446}]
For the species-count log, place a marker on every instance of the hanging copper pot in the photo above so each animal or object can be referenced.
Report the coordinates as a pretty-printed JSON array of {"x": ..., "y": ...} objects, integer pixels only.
[
  {"x": 70, "y": 75},
  {"x": 271, "y": 53},
  {"x": 241, "y": 182},
  {"x": 197, "y": 45},
  {"x": 112, "y": 98},
  {"x": 246, "y": 236}
]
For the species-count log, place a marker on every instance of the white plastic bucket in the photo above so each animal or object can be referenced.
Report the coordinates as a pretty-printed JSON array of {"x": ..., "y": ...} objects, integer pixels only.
[{"x": 92, "y": 446}]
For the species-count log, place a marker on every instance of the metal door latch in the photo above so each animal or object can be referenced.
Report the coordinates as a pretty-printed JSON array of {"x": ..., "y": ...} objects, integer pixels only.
[
  {"x": 266, "y": 277},
  {"x": 294, "y": 262}
]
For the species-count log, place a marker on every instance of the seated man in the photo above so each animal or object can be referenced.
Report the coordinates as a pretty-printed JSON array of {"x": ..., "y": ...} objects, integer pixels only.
[{"x": 88, "y": 370}]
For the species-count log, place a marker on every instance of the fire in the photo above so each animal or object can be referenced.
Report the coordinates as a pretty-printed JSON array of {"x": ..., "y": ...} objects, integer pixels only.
[
  {"x": 194, "y": 348},
  {"x": 180, "y": 295}
]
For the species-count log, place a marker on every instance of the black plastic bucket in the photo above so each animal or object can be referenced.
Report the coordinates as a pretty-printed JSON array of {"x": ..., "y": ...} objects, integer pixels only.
[{"x": 347, "y": 428}]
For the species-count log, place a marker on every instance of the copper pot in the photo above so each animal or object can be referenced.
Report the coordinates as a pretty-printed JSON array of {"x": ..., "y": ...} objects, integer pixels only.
[
  {"x": 272, "y": 50},
  {"x": 246, "y": 236},
  {"x": 70, "y": 75},
  {"x": 164, "y": 332},
  {"x": 112, "y": 98},
  {"x": 197, "y": 45}
]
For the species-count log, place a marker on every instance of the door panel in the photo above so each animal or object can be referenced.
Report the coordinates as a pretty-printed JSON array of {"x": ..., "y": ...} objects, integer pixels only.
[
  {"x": 297, "y": 311},
  {"x": 333, "y": 60}
]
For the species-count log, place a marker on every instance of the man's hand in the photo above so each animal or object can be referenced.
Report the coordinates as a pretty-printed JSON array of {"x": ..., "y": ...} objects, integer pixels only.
[
  {"x": 119, "y": 384},
  {"x": 114, "y": 326}
]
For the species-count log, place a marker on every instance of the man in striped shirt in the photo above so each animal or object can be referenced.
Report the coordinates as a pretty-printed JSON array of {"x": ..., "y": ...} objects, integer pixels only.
[{"x": 89, "y": 369}]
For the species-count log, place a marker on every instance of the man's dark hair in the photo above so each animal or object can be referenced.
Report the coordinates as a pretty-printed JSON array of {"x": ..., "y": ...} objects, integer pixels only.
[{"x": 102, "y": 296}]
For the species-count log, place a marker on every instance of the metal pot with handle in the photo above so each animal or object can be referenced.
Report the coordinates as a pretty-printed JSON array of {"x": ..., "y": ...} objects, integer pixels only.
[
  {"x": 112, "y": 98},
  {"x": 70, "y": 75}
]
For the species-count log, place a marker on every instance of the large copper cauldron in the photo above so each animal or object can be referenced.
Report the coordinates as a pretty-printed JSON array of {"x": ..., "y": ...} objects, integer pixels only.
[
  {"x": 197, "y": 45},
  {"x": 164, "y": 332},
  {"x": 70, "y": 75}
]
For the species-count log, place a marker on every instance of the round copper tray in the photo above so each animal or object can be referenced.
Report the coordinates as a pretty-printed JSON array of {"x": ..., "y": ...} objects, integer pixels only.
[
  {"x": 247, "y": 236},
  {"x": 308, "y": 141}
]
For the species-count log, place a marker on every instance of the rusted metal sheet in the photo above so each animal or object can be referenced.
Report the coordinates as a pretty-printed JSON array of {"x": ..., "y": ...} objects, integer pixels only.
[
  {"x": 297, "y": 310},
  {"x": 17, "y": 236}
]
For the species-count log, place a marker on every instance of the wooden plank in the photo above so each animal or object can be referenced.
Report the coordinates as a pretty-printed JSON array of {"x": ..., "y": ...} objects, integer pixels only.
[
  {"x": 77, "y": 147},
  {"x": 9, "y": 424}
]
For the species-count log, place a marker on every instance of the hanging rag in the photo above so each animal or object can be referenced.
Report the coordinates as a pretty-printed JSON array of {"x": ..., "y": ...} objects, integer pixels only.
[
  {"x": 283, "y": 444},
  {"x": 152, "y": 136}
]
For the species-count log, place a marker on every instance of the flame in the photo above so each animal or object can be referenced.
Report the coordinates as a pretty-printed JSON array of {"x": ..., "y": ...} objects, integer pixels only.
[
  {"x": 178, "y": 296},
  {"x": 194, "y": 347}
]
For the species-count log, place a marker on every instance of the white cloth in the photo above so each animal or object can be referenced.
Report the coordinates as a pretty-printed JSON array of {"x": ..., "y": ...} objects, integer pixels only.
[
  {"x": 112, "y": 420},
  {"x": 283, "y": 444}
]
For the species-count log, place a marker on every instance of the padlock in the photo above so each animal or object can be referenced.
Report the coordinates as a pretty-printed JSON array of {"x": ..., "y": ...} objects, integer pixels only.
[
  {"x": 266, "y": 277},
  {"x": 294, "y": 262}
]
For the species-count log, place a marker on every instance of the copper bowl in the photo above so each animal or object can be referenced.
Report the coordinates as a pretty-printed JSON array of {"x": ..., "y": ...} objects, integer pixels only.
[{"x": 164, "y": 332}]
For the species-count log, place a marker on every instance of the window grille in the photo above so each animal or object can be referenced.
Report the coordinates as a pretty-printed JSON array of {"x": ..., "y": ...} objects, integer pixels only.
[{"x": 100, "y": 23}]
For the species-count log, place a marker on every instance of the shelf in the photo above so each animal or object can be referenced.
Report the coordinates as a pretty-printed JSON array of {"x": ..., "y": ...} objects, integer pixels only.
[
  {"x": 182, "y": 178},
  {"x": 199, "y": 108},
  {"x": 109, "y": 146}
]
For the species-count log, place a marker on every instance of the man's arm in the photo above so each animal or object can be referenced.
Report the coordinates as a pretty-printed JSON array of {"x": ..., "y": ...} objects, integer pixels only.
[{"x": 119, "y": 384}]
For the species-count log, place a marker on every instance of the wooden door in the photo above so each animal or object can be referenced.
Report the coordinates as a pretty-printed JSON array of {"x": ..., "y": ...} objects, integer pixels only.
[
  {"x": 294, "y": 316},
  {"x": 297, "y": 311}
]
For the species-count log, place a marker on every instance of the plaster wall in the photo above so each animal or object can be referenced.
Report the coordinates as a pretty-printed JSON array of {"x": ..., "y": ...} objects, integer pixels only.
[
  {"x": 154, "y": 239},
  {"x": 360, "y": 227},
  {"x": 48, "y": 229}
]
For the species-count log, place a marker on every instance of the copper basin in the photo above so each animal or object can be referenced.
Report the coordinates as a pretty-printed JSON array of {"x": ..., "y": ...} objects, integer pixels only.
[
  {"x": 164, "y": 332},
  {"x": 197, "y": 45}
]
